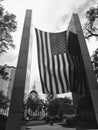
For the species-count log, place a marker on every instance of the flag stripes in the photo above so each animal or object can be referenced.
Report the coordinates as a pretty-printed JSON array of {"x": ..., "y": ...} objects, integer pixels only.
[
  {"x": 60, "y": 71},
  {"x": 40, "y": 63},
  {"x": 77, "y": 76},
  {"x": 52, "y": 64}
]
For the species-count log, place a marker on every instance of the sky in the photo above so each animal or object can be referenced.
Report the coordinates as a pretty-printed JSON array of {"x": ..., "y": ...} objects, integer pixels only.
[{"x": 48, "y": 15}]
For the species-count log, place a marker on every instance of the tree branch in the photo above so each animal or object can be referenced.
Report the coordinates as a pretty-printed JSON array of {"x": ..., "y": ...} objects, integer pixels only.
[{"x": 90, "y": 35}]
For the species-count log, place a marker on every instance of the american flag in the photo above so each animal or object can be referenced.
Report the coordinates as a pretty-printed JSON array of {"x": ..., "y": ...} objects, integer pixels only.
[
  {"x": 77, "y": 76},
  {"x": 60, "y": 72}
]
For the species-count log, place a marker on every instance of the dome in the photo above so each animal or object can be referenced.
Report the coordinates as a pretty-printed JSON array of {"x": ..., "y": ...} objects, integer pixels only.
[{"x": 33, "y": 91}]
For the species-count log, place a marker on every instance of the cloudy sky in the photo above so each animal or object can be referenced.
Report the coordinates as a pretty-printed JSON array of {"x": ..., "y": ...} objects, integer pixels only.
[{"x": 48, "y": 15}]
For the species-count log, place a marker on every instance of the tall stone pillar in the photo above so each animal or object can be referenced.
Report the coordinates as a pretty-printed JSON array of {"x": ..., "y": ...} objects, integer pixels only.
[
  {"x": 78, "y": 45},
  {"x": 22, "y": 76}
]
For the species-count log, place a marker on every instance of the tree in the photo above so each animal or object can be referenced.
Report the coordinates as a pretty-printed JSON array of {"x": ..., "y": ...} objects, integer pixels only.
[
  {"x": 53, "y": 107},
  {"x": 3, "y": 101},
  {"x": 8, "y": 25},
  {"x": 34, "y": 103},
  {"x": 94, "y": 59},
  {"x": 67, "y": 100},
  {"x": 3, "y": 73},
  {"x": 60, "y": 106},
  {"x": 2, "y": 97},
  {"x": 90, "y": 28}
]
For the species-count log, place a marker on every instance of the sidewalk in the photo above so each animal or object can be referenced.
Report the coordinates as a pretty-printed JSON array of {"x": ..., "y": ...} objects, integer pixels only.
[
  {"x": 33, "y": 123},
  {"x": 48, "y": 127},
  {"x": 41, "y": 125}
]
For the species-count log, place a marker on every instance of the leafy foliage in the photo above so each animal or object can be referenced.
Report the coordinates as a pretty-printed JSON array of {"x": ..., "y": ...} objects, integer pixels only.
[
  {"x": 8, "y": 25},
  {"x": 53, "y": 107},
  {"x": 60, "y": 106},
  {"x": 50, "y": 97},
  {"x": 94, "y": 60},
  {"x": 34, "y": 102},
  {"x": 90, "y": 28},
  {"x": 3, "y": 73},
  {"x": 3, "y": 100},
  {"x": 2, "y": 97}
]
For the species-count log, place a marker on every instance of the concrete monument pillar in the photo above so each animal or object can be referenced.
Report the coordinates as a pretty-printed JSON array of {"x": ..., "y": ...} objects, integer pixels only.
[
  {"x": 22, "y": 76},
  {"x": 77, "y": 46}
]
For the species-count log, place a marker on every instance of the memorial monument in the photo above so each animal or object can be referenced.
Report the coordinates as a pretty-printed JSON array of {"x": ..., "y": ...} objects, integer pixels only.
[{"x": 76, "y": 46}]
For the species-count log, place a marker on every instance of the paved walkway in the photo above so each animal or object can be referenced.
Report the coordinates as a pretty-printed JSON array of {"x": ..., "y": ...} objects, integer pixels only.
[
  {"x": 48, "y": 127},
  {"x": 41, "y": 125}
]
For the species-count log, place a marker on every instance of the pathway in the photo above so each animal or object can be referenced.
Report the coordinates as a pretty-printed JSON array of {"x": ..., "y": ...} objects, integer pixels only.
[{"x": 48, "y": 127}]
